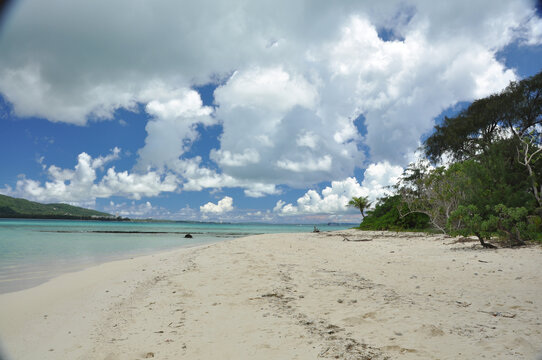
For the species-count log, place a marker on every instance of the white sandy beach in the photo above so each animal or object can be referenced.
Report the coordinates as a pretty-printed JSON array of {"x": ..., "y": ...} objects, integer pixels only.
[{"x": 289, "y": 296}]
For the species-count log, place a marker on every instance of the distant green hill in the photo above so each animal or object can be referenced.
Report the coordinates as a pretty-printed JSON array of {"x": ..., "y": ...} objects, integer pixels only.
[{"x": 20, "y": 208}]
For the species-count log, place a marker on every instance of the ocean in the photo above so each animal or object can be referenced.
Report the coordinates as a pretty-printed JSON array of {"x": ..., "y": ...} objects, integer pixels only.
[{"x": 34, "y": 251}]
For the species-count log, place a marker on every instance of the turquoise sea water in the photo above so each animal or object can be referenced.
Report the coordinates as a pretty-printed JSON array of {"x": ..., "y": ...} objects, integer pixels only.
[{"x": 34, "y": 251}]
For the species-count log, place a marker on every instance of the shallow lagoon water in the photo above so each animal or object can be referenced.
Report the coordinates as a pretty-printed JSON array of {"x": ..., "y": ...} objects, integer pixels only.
[{"x": 34, "y": 251}]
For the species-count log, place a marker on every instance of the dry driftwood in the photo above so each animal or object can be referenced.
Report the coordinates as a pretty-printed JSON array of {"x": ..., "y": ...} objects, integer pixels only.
[
  {"x": 498, "y": 313},
  {"x": 347, "y": 239}
]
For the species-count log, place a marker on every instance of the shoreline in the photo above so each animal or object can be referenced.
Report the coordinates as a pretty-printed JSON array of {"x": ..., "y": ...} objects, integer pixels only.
[
  {"x": 50, "y": 248},
  {"x": 72, "y": 296},
  {"x": 300, "y": 295},
  {"x": 46, "y": 271}
]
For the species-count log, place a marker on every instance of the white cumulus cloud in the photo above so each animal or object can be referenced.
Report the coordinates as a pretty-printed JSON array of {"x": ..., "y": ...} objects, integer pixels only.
[
  {"x": 172, "y": 129},
  {"x": 278, "y": 119},
  {"x": 400, "y": 86},
  {"x": 334, "y": 198},
  {"x": 378, "y": 177},
  {"x": 268, "y": 89},
  {"x": 223, "y": 206},
  {"x": 82, "y": 185}
]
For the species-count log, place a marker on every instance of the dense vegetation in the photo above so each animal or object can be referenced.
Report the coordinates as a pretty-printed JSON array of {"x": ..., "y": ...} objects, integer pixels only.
[
  {"x": 387, "y": 216},
  {"x": 20, "y": 208},
  {"x": 492, "y": 184}
]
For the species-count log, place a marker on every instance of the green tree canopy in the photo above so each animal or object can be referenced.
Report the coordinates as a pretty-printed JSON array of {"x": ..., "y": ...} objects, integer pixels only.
[
  {"x": 506, "y": 127},
  {"x": 387, "y": 216},
  {"x": 517, "y": 110}
]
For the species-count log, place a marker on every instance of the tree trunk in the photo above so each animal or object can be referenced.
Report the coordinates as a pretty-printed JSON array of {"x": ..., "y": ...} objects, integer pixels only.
[
  {"x": 527, "y": 159},
  {"x": 483, "y": 243}
]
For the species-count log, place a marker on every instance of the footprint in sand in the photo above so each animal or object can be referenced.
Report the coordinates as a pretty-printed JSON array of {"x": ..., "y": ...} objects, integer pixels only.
[
  {"x": 398, "y": 349},
  {"x": 431, "y": 330},
  {"x": 358, "y": 320}
]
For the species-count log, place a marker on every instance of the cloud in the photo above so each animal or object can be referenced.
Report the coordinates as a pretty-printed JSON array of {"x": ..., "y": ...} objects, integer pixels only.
[
  {"x": 134, "y": 210},
  {"x": 257, "y": 190},
  {"x": 133, "y": 185},
  {"x": 532, "y": 31},
  {"x": 378, "y": 177},
  {"x": 223, "y": 206},
  {"x": 322, "y": 164},
  {"x": 334, "y": 198},
  {"x": 226, "y": 158},
  {"x": 268, "y": 89},
  {"x": 286, "y": 138},
  {"x": 81, "y": 185},
  {"x": 400, "y": 86},
  {"x": 172, "y": 129},
  {"x": 294, "y": 80},
  {"x": 198, "y": 177},
  {"x": 74, "y": 70}
]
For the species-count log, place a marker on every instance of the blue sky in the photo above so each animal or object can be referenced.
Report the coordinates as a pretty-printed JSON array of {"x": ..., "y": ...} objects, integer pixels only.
[{"x": 241, "y": 112}]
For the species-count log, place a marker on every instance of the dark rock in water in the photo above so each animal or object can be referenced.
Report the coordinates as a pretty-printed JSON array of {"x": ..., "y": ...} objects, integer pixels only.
[{"x": 188, "y": 236}]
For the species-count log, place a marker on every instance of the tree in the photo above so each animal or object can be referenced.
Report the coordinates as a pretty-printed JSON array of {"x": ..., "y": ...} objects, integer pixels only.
[
  {"x": 510, "y": 223},
  {"x": 523, "y": 116},
  {"x": 471, "y": 222},
  {"x": 386, "y": 216},
  {"x": 493, "y": 187},
  {"x": 529, "y": 152},
  {"x": 360, "y": 203},
  {"x": 513, "y": 116},
  {"x": 433, "y": 192},
  {"x": 470, "y": 133}
]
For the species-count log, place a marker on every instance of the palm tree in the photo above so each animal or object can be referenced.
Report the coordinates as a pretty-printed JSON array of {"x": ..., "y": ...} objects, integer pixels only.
[{"x": 360, "y": 203}]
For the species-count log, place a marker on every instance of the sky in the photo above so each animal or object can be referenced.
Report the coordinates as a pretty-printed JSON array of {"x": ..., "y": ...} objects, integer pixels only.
[{"x": 242, "y": 111}]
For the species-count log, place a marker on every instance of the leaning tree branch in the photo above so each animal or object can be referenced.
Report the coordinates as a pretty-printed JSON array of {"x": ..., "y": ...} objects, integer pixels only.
[{"x": 527, "y": 160}]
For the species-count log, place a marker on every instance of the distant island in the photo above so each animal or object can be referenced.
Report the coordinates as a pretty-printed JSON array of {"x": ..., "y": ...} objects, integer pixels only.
[{"x": 11, "y": 207}]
